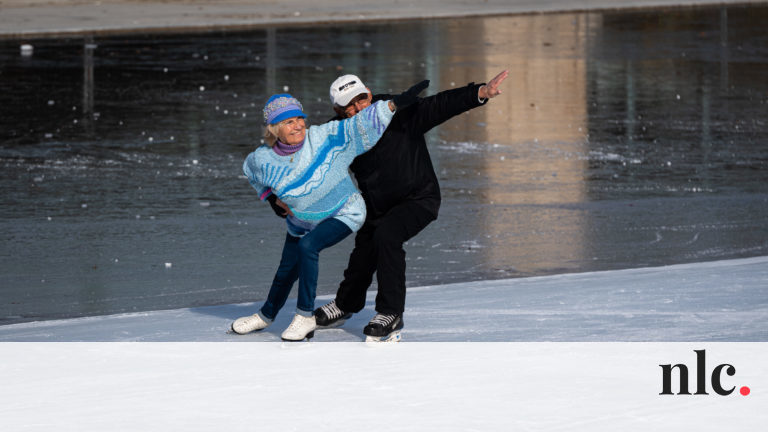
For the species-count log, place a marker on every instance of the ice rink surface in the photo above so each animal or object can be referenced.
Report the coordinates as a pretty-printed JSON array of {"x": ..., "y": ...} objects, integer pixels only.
[
  {"x": 722, "y": 301},
  {"x": 554, "y": 353}
]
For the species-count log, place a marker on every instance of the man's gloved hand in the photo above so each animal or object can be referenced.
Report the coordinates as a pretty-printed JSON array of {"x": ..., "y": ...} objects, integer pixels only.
[
  {"x": 276, "y": 208},
  {"x": 409, "y": 96}
]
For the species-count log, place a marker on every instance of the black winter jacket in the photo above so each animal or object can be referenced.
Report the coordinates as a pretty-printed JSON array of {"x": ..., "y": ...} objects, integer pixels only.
[{"x": 398, "y": 168}]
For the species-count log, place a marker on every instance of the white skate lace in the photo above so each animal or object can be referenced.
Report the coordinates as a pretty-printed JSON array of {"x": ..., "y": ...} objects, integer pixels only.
[
  {"x": 382, "y": 319},
  {"x": 252, "y": 320},
  {"x": 332, "y": 311},
  {"x": 297, "y": 322}
]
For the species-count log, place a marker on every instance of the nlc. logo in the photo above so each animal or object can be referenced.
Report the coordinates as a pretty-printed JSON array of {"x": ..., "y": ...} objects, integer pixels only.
[{"x": 716, "y": 378}]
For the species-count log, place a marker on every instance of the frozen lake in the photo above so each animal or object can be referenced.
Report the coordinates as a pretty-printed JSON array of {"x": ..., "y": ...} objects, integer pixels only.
[{"x": 622, "y": 140}]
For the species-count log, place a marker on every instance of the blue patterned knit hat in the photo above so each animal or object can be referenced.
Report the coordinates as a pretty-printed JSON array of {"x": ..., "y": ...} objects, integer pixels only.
[{"x": 280, "y": 107}]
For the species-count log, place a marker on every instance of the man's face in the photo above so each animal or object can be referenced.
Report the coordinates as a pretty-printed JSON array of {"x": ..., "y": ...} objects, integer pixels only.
[{"x": 359, "y": 103}]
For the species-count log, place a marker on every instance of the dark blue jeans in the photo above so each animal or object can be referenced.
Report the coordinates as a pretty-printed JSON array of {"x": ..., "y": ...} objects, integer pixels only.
[{"x": 300, "y": 261}]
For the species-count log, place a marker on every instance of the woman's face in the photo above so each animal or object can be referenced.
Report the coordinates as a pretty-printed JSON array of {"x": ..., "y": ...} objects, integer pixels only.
[{"x": 292, "y": 131}]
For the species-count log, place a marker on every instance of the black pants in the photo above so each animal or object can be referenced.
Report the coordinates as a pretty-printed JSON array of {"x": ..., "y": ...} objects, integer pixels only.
[{"x": 379, "y": 249}]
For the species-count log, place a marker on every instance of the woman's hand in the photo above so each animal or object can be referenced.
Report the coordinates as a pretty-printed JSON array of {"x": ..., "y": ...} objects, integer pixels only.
[
  {"x": 280, "y": 208},
  {"x": 491, "y": 90},
  {"x": 284, "y": 206}
]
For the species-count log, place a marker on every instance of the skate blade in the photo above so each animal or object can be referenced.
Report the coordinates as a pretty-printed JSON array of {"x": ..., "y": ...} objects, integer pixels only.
[
  {"x": 392, "y": 337},
  {"x": 231, "y": 330},
  {"x": 309, "y": 336}
]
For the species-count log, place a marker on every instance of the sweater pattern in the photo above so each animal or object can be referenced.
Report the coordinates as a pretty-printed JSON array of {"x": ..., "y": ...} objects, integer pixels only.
[{"x": 316, "y": 184}]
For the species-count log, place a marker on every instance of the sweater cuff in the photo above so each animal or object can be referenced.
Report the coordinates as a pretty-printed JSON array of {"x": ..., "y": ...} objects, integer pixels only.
[{"x": 266, "y": 194}]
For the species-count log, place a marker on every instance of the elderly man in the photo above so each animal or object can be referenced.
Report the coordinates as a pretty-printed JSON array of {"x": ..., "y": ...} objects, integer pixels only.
[{"x": 402, "y": 197}]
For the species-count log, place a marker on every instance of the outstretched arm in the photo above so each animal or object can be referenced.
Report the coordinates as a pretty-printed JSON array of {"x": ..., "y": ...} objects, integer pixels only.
[
  {"x": 408, "y": 97},
  {"x": 361, "y": 132},
  {"x": 434, "y": 110}
]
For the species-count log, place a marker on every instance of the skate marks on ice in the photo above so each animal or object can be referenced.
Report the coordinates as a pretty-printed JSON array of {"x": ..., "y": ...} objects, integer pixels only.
[{"x": 714, "y": 301}]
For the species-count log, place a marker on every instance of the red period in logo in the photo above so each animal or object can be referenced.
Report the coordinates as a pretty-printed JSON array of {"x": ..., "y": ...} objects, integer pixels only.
[{"x": 744, "y": 391}]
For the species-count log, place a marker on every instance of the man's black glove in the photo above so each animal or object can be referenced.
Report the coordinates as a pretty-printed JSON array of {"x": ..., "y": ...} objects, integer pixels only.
[
  {"x": 276, "y": 208},
  {"x": 408, "y": 97}
]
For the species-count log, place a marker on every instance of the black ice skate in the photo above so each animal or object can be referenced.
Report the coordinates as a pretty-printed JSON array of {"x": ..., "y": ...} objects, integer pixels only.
[
  {"x": 330, "y": 315},
  {"x": 384, "y": 328}
]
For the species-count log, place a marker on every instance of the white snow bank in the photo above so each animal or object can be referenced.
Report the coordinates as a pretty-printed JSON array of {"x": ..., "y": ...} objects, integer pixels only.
[{"x": 357, "y": 387}]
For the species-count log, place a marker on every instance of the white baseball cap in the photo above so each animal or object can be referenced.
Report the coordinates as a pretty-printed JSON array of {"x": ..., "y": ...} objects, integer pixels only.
[{"x": 345, "y": 88}]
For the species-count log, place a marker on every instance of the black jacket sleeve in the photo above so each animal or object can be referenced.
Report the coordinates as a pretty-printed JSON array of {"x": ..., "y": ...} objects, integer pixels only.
[{"x": 433, "y": 110}]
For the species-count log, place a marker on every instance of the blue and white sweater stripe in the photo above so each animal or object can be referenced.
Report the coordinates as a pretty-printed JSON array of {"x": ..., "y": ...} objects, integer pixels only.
[{"x": 317, "y": 184}]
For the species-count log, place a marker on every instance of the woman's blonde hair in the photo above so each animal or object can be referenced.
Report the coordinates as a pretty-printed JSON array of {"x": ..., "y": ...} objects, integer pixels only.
[{"x": 270, "y": 134}]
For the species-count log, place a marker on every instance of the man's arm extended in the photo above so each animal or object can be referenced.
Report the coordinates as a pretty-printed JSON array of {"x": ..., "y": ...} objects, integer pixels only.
[{"x": 434, "y": 110}]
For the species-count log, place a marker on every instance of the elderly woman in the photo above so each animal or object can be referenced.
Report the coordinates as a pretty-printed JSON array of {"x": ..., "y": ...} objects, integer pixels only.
[{"x": 305, "y": 171}]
